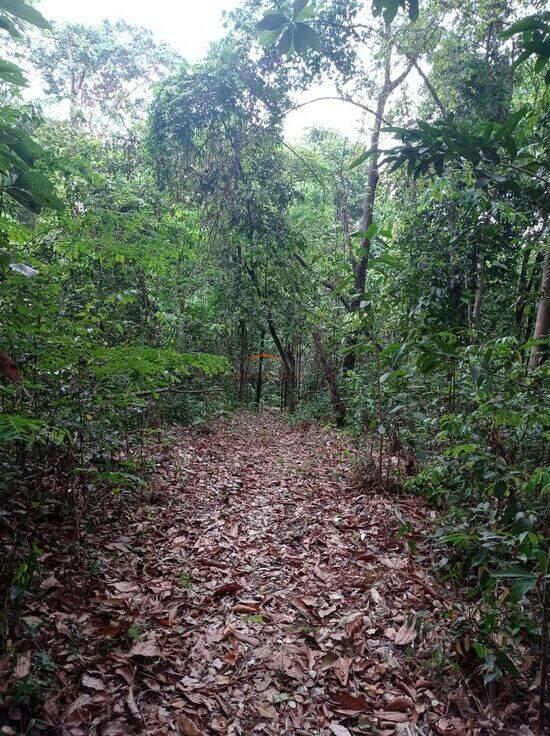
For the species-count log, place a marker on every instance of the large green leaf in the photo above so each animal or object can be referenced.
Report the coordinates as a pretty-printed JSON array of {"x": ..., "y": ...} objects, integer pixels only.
[
  {"x": 286, "y": 42},
  {"x": 24, "y": 12},
  {"x": 12, "y": 74},
  {"x": 305, "y": 38},
  {"x": 35, "y": 191},
  {"x": 266, "y": 38},
  {"x": 306, "y": 11},
  {"x": 272, "y": 21}
]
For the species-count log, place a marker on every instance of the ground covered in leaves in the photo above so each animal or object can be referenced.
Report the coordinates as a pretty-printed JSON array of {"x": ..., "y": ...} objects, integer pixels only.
[{"x": 254, "y": 588}]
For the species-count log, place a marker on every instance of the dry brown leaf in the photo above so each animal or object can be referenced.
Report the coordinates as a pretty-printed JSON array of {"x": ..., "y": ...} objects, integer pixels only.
[
  {"x": 188, "y": 726},
  {"x": 339, "y": 730},
  {"x": 132, "y": 705},
  {"x": 391, "y": 716},
  {"x": 145, "y": 649},
  {"x": 126, "y": 587},
  {"x": 406, "y": 634},
  {"x": 328, "y": 661},
  {"x": 23, "y": 666},
  {"x": 266, "y": 711},
  {"x": 233, "y": 587},
  {"x": 94, "y": 683},
  {"x": 351, "y": 704}
]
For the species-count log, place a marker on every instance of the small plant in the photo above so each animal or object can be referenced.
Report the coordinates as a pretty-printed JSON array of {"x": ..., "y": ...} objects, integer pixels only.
[
  {"x": 255, "y": 618},
  {"x": 135, "y": 633},
  {"x": 185, "y": 579}
]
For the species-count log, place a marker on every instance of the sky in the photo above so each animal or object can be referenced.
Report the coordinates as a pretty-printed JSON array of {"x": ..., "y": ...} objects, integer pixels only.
[{"x": 189, "y": 26}]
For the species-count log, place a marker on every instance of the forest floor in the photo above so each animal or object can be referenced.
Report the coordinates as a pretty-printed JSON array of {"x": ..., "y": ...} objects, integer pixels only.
[{"x": 254, "y": 588}]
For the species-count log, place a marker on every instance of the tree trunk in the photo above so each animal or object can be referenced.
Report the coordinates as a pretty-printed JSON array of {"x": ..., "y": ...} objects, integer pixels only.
[
  {"x": 361, "y": 265},
  {"x": 259, "y": 377},
  {"x": 522, "y": 288},
  {"x": 480, "y": 289},
  {"x": 243, "y": 359},
  {"x": 288, "y": 377},
  {"x": 542, "y": 324},
  {"x": 330, "y": 375}
]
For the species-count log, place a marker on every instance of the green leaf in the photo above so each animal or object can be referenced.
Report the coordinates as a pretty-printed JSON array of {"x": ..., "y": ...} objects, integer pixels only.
[
  {"x": 24, "y": 12},
  {"x": 530, "y": 23},
  {"x": 540, "y": 63},
  {"x": 371, "y": 230},
  {"x": 305, "y": 38},
  {"x": 388, "y": 259},
  {"x": 298, "y": 6},
  {"x": 266, "y": 38},
  {"x": 514, "y": 573},
  {"x": 35, "y": 191},
  {"x": 307, "y": 12},
  {"x": 5, "y": 258},
  {"x": 362, "y": 158},
  {"x": 12, "y": 74},
  {"x": 272, "y": 21},
  {"x": 285, "y": 45},
  {"x": 7, "y": 25},
  {"x": 413, "y": 9},
  {"x": 522, "y": 587}
]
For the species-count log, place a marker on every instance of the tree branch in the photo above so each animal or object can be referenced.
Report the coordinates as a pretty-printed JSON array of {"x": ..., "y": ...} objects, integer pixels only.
[{"x": 340, "y": 99}]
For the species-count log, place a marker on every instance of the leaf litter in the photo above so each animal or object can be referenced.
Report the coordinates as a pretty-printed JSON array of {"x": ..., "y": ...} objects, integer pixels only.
[{"x": 257, "y": 592}]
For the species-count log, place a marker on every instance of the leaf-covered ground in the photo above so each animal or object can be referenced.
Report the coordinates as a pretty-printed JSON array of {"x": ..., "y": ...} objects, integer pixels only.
[{"x": 253, "y": 589}]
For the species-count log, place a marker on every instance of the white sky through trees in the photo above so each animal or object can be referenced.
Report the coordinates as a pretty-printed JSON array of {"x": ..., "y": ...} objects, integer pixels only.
[{"x": 189, "y": 26}]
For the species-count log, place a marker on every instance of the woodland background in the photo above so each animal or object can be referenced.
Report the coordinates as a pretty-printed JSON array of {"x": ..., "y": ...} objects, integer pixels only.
[{"x": 166, "y": 256}]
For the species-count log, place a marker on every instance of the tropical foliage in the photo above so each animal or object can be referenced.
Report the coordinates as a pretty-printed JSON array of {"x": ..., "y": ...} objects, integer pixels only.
[{"x": 167, "y": 254}]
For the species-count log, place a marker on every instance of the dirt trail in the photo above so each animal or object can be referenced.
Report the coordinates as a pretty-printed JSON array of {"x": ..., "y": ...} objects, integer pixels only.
[{"x": 253, "y": 591}]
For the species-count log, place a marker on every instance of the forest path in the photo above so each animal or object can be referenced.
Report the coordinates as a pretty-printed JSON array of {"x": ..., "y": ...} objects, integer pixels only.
[{"x": 254, "y": 591}]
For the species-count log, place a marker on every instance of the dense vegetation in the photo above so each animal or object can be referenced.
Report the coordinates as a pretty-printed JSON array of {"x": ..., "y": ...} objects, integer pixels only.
[{"x": 166, "y": 256}]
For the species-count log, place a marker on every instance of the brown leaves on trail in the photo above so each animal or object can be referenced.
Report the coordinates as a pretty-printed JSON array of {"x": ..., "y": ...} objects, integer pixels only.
[{"x": 259, "y": 594}]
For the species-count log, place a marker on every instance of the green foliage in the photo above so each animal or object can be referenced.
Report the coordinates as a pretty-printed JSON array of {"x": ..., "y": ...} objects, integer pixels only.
[
  {"x": 292, "y": 33},
  {"x": 389, "y": 9},
  {"x": 535, "y": 40},
  {"x": 19, "y": 153}
]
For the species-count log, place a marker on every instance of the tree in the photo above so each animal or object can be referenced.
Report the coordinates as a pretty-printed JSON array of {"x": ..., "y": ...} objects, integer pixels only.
[{"x": 105, "y": 73}]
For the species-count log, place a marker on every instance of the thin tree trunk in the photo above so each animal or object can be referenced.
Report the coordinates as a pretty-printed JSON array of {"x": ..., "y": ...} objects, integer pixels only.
[
  {"x": 330, "y": 375},
  {"x": 259, "y": 377},
  {"x": 288, "y": 377},
  {"x": 361, "y": 266},
  {"x": 480, "y": 290},
  {"x": 542, "y": 323},
  {"x": 243, "y": 358},
  {"x": 522, "y": 288}
]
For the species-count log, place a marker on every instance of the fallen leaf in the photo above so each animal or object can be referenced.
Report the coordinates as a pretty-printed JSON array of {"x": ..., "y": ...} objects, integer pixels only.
[
  {"x": 339, "y": 730},
  {"x": 132, "y": 705},
  {"x": 94, "y": 683},
  {"x": 391, "y": 716},
  {"x": 267, "y": 711},
  {"x": 23, "y": 666},
  {"x": 188, "y": 726},
  {"x": 406, "y": 634},
  {"x": 233, "y": 587},
  {"x": 126, "y": 587},
  {"x": 145, "y": 649},
  {"x": 351, "y": 704}
]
